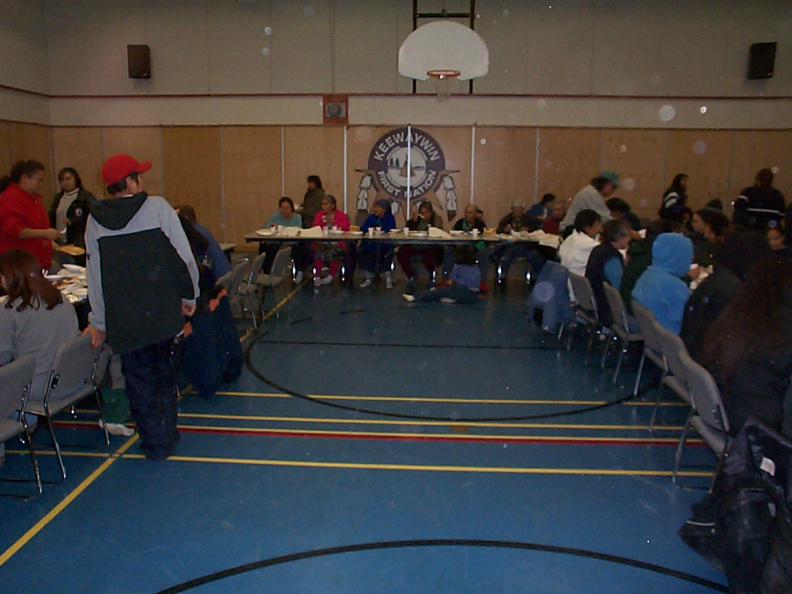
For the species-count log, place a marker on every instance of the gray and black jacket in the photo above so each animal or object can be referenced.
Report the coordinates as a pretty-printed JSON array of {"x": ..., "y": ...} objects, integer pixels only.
[{"x": 140, "y": 269}]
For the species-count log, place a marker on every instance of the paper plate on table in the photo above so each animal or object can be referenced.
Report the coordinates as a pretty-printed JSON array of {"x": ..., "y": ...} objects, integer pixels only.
[
  {"x": 265, "y": 232},
  {"x": 357, "y": 233},
  {"x": 457, "y": 232},
  {"x": 336, "y": 232},
  {"x": 53, "y": 277},
  {"x": 419, "y": 233},
  {"x": 74, "y": 268}
]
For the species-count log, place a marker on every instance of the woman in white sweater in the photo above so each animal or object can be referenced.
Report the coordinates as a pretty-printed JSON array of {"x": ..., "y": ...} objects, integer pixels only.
[{"x": 576, "y": 249}]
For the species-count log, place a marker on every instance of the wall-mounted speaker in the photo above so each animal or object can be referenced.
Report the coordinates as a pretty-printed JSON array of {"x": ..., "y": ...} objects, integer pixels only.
[
  {"x": 139, "y": 60},
  {"x": 762, "y": 60}
]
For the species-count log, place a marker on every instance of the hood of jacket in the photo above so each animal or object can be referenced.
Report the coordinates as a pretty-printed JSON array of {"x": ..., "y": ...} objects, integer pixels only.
[
  {"x": 115, "y": 213},
  {"x": 672, "y": 253}
]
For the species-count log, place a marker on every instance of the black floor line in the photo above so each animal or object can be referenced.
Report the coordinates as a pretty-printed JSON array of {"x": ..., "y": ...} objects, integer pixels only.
[
  {"x": 397, "y": 345},
  {"x": 294, "y": 393},
  {"x": 401, "y": 544}
]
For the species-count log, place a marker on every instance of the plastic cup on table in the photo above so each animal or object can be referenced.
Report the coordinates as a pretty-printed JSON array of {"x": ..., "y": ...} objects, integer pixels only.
[
  {"x": 475, "y": 233},
  {"x": 406, "y": 231},
  {"x": 371, "y": 232}
]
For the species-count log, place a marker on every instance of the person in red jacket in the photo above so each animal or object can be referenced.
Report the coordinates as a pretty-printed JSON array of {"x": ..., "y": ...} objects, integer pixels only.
[{"x": 24, "y": 222}]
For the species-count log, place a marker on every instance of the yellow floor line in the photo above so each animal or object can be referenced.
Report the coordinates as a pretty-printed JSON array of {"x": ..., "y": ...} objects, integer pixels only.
[
  {"x": 42, "y": 523},
  {"x": 412, "y": 422},
  {"x": 443, "y": 400},
  {"x": 431, "y": 468}
]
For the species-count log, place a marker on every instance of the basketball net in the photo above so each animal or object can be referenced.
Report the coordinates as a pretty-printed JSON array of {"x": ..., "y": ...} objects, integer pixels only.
[{"x": 444, "y": 82}]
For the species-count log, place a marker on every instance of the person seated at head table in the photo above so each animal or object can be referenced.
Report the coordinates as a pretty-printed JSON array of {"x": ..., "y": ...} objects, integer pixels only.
[
  {"x": 463, "y": 286},
  {"x": 285, "y": 216},
  {"x": 24, "y": 223},
  {"x": 69, "y": 212},
  {"x": 619, "y": 209},
  {"x": 552, "y": 223},
  {"x": 748, "y": 349},
  {"x": 220, "y": 263},
  {"x": 329, "y": 252},
  {"x": 542, "y": 209},
  {"x": 660, "y": 289},
  {"x": 377, "y": 257},
  {"x": 517, "y": 221},
  {"x": 742, "y": 249},
  {"x": 714, "y": 225},
  {"x": 468, "y": 223},
  {"x": 639, "y": 257},
  {"x": 35, "y": 319},
  {"x": 776, "y": 237},
  {"x": 576, "y": 249},
  {"x": 421, "y": 219},
  {"x": 606, "y": 263}
]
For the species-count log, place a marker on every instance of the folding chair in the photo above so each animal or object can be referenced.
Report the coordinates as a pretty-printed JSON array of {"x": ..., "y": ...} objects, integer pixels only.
[
  {"x": 73, "y": 378},
  {"x": 585, "y": 307},
  {"x": 670, "y": 346},
  {"x": 277, "y": 274},
  {"x": 232, "y": 282},
  {"x": 651, "y": 349},
  {"x": 710, "y": 420},
  {"x": 15, "y": 381},
  {"x": 620, "y": 325},
  {"x": 250, "y": 291}
]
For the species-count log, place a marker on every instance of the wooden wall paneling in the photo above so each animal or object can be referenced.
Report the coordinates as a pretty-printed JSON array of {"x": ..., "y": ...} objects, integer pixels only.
[
  {"x": 568, "y": 159},
  {"x": 314, "y": 150},
  {"x": 142, "y": 143},
  {"x": 704, "y": 156},
  {"x": 32, "y": 141},
  {"x": 505, "y": 169},
  {"x": 192, "y": 172},
  {"x": 455, "y": 144},
  {"x": 5, "y": 149},
  {"x": 758, "y": 149},
  {"x": 360, "y": 141},
  {"x": 251, "y": 157},
  {"x": 80, "y": 148},
  {"x": 638, "y": 156}
]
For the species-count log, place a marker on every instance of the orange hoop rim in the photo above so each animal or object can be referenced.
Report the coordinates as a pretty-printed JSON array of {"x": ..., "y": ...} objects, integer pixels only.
[{"x": 443, "y": 73}]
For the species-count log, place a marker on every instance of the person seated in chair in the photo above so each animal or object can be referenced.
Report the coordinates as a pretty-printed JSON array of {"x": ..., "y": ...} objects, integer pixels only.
[
  {"x": 515, "y": 222},
  {"x": 329, "y": 252},
  {"x": 220, "y": 262},
  {"x": 470, "y": 222},
  {"x": 576, "y": 249},
  {"x": 377, "y": 256},
  {"x": 421, "y": 219},
  {"x": 557, "y": 213},
  {"x": 285, "y": 216},
  {"x": 606, "y": 263}
]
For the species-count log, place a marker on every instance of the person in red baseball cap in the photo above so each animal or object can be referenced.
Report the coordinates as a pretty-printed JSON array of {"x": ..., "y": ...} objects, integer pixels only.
[{"x": 142, "y": 281}]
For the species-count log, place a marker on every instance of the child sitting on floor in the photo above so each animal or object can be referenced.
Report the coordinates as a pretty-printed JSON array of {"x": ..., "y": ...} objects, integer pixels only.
[{"x": 462, "y": 287}]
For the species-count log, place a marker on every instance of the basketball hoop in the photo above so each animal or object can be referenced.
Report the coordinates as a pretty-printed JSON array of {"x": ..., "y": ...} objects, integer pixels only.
[{"x": 444, "y": 81}]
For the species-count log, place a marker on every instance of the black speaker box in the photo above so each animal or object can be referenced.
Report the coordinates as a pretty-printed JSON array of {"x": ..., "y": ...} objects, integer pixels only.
[
  {"x": 762, "y": 60},
  {"x": 139, "y": 58}
]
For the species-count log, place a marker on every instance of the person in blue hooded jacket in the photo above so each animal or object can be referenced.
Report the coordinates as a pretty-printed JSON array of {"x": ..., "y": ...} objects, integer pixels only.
[{"x": 660, "y": 288}]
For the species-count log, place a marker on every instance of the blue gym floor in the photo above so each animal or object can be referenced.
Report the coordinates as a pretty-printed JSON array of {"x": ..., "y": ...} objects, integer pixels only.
[{"x": 377, "y": 446}]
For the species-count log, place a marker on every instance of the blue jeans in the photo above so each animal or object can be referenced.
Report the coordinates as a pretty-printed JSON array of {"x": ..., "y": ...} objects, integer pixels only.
[
  {"x": 482, "y": 261},
  {"x": 456, "y": 292},
  {"x": 151, "y": 388}
]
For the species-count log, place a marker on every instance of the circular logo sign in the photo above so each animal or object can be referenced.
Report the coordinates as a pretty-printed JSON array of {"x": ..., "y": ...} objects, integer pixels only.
[{"x": 389, "y": 163}]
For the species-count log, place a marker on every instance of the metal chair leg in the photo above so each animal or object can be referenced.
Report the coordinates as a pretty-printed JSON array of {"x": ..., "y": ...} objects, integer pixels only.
[
  {"x": 657, "y": 402},
  {"x": 621, "y": 358},
  {"x": 640, "y": 372},
  {"x": 681, "y": 446},
  {"x": 55, "y": 443},
  {"x": 32, "y": 451},
  {"x": 605, "y": 352}
]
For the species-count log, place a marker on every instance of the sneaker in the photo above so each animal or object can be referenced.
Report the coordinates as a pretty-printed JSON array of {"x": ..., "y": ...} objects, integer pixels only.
[
  {"x": 327, "y": 280},
  {"x": 366, "y": 283},
  {"x": 299, "y": 277},
  {"x": 118, "y": 429},
  {"x": 388, "y": 280},
  {"x": 407, "y": 297},
  {"x": 317, "y": 281},
  {"x": 447, "y": 300}
]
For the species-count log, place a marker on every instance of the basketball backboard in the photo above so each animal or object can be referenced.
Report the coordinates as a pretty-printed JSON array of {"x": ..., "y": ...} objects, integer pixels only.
[{"x": 443, "y": 45}]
